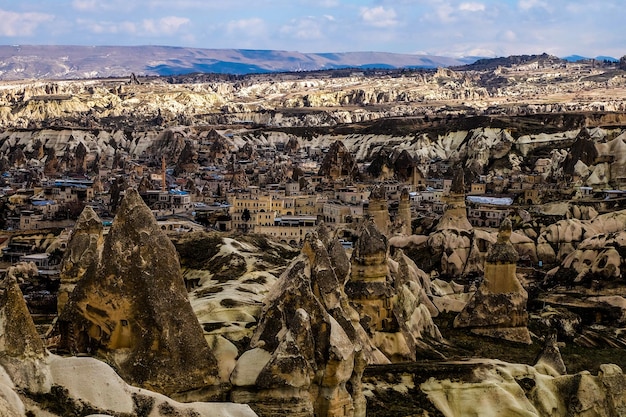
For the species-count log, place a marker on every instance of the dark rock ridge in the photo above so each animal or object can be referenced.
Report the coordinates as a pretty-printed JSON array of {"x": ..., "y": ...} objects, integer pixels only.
[
  {"x": 133, "y": 308},
  {"x": 583, "y": 149},
  {"x": 510, "y": 61}
]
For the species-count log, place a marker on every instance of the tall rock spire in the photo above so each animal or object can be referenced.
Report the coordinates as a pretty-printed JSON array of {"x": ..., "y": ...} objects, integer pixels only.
[
  {"x": 377, "y": 208},
  {"x": 18, "y": 335},
  {"x": 133, "y": 309},
  {"x": 455, "y": 216},
  {"x": 82, "y": 255},
  {"x": 498, "y": 308}
]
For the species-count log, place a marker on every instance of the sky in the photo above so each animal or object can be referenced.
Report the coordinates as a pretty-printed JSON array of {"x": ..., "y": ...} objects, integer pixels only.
[{"x": 436, "y": 27}]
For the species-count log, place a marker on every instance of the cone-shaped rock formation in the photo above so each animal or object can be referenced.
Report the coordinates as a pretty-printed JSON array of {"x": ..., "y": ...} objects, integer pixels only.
[
  {"x": 309, "y": 348},
  {"x": 18, "y": 335},
  {"x": 389, "y": 295},
  {"x": 133, "y": 308},
  {"x": 498, "y": 308},
  {"x": 82, "y": 255}
]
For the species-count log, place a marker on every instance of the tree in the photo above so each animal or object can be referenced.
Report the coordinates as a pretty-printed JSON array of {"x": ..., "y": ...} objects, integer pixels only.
[
  {"x": 4, "y": 212},
  {"x": 245, "y": 216}
]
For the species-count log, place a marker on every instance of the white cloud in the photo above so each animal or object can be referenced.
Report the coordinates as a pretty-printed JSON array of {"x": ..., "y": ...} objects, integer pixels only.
[
  {"x": 105, "y": 27},
  {"x": 21, "y": 24},
  {"x": 530, "y": 4},
  {"x": 165, "y": 26},
  {"x": 321, "y": 3},
  {"x": 308, "y": 28},
  {"x": 85, "y": 5},
  {"x": 95, "y": 6},
  {"x": 247, "y": 27},
  {"x": 149, "y": 27},
  {"x": 472, "y": 7},
  {"x": 510, "y": 36},
  {"x": 379, "y": 16},
  {"x": 445, "y": 13},
  {"x": 460, "y": 53},
  {"x": 169, "y": 25},
  {"x": 480, "y": 52}
]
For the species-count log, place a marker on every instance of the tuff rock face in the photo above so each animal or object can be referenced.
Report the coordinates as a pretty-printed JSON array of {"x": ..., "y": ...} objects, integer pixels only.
[
  {"x": 503, "y": 389},
  {"x": 82, "y": 255},
  {"x": 368, "y": 287},
  {"x": 402, "y": 224},
  {"x": 377, "y": 208},
  {"x": 22, "y": 352},
  {"x": 413, "y": 309},
  {"x": 230, "y": 279},
  {"x": 550, "y": 356},
  {"x": 133, "y": 308},
  {"x": 309, "y": 348},
  {"x": 338, "y": 162},
  {"x": 557, "y": 241},
  {"x": 455, "y": 216},
  {"x": 81, "y": 386},
  {"x": 590, "y": 276},
  {"x": 18, "y": 335},
  {"x": 498, "y": 308},
  {"x": 587, "y": 249},
  {"x": 390, "y": 295}
]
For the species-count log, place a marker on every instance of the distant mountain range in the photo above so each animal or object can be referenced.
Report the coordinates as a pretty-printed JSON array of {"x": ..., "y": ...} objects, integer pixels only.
[
  {"x": 74, "y": 62},
  {"x": 574, "y": 58},
  {"x": 71, "y": 62}
]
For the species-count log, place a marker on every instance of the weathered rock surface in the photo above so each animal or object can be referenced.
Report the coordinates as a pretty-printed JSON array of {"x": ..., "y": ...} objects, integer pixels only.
[
  {"x": 586, "y": 246},
  {"x": 228, "y": 278},
  {"x": 133, "y": 308},
  {"x": 515, "y": 390},
  {"x": 338, "y": 162},
  {"x": 391, "y": 297},
  {"x": 455, "y": 216},
  {"x": 455, "y": 253},
  {"x": 87, "y": 386},
  {"x": 550, "y": 357},
  {"x": 18, "y": 335},
  {"x": 309, "y": 348},
  {"x": 378, "y": 209},
  {"x": 82, "y": 255},
  {"x": 498, "y": 308},
  {"x": 34, "y": 382},
  {"x": 300, "y": 353},
  {"x": 22, "y": 351}
]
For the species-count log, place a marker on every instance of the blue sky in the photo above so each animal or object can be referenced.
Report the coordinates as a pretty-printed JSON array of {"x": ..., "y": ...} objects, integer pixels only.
[{"x": 439, "y": 27}]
